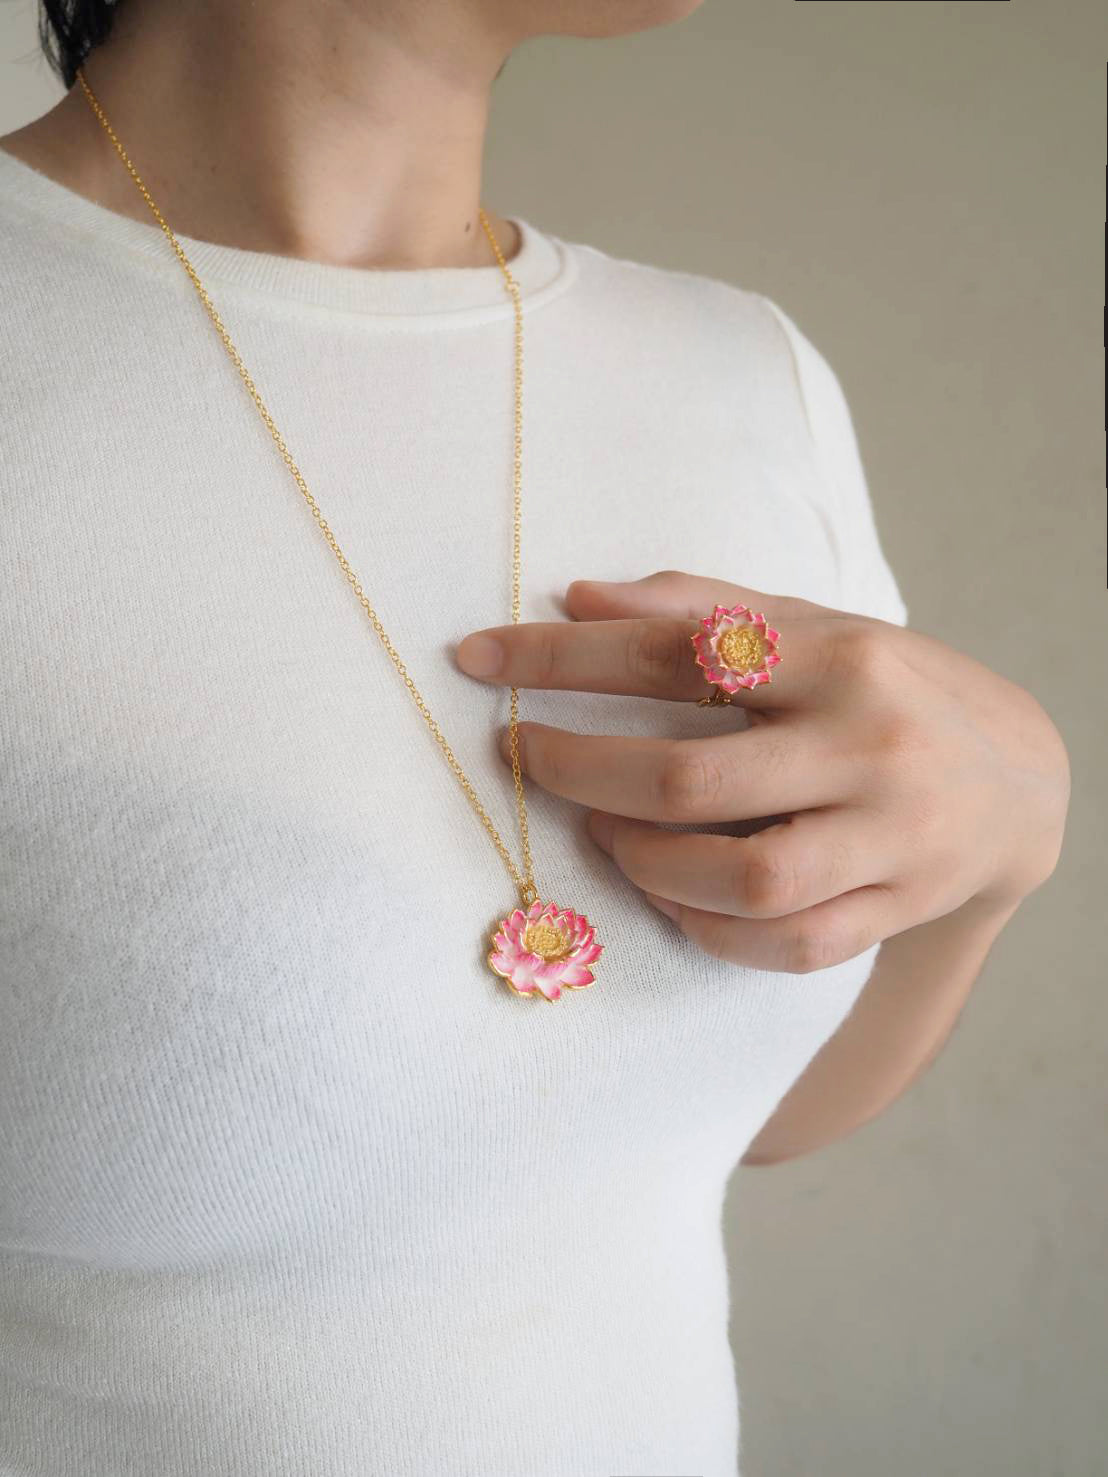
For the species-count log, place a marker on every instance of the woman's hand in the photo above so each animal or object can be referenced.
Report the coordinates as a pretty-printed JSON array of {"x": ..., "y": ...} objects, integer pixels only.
[{"x": 907, "y": 779}]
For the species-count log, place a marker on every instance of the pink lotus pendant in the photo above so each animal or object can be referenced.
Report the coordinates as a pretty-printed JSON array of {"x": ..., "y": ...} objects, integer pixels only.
[
  {"x": 736, "y": 648},
  {"x": 544, "y": 950}
]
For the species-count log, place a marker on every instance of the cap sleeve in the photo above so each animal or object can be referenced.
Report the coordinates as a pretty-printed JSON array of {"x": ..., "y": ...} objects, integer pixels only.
[{"x": 867, "y": 584}]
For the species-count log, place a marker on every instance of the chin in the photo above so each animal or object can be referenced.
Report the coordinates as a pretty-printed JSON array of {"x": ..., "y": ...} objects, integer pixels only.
[{"x": 607, "y": 17}]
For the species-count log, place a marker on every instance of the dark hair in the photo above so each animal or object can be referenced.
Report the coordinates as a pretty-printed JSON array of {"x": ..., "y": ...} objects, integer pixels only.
[{"x": 69, "y": 29}]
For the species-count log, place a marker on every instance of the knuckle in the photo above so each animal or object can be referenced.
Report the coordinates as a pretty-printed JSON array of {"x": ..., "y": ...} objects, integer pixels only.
[
  {"x": 860, "y": 650},
  {"x": 653, "y": 656},
  {"x": 713, "y": 936},
  {"x": 811, "y": 946},
  {"x": 898, "y": 738},
  {"x": 764, "y": 884},
  {"x": 691, "y": 780},
  {"x": 546, "y": 658}
]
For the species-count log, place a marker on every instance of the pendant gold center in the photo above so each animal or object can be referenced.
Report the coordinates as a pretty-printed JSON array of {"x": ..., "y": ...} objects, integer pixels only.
[
  {"x": 742, "y": 648},
  {"x": 545, "y": 940}
]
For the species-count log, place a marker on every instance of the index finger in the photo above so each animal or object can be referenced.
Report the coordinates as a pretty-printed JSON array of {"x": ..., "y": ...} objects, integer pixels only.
[{"x": 646, "y": 656}]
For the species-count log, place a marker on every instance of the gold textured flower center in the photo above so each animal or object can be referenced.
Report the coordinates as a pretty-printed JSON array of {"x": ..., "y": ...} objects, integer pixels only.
[
  {"x": 742, "y": 648},
  {"x": 545, "y": 940}
]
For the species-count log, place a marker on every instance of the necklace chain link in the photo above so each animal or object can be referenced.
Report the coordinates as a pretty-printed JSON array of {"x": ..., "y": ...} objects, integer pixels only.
[{"x": 524, "y": 881}]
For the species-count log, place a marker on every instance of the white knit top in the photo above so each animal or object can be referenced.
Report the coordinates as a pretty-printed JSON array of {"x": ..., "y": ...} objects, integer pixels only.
[{"x": 291, "y": 1184}]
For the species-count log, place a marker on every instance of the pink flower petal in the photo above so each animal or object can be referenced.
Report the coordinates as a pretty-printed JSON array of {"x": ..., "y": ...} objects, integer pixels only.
[
  {"x": 523, "y": 973},
  {"x": 552, "y": 989},
  {"x": 576, "y": 975}
]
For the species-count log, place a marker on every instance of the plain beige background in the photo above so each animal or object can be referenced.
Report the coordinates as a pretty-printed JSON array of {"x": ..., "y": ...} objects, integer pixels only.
[{"x": 920, "y": 185}]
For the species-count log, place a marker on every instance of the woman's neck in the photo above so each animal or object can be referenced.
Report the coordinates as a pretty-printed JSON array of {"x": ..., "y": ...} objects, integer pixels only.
[{"x": 344, "y": 134}]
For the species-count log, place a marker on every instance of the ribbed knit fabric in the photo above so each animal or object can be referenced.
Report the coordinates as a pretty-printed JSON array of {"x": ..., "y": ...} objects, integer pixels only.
[{"x": 291, "y": 1185}]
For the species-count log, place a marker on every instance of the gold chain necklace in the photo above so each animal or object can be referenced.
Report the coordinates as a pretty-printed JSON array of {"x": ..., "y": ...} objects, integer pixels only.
[{"x": 538, "y": 949}]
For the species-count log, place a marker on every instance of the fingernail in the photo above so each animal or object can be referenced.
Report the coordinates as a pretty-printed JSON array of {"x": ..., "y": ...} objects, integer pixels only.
[
  {"x": 663, "y": 904},
  {"x": 600, "y": 826},
  {"x": 480, "y": 656}
]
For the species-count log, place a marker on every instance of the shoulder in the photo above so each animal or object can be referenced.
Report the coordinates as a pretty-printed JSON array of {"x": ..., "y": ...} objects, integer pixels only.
[
  {"x": 718, "y": 340},
  {"x": 741, "y": 359},
  {"x": 668, "y": 295}
]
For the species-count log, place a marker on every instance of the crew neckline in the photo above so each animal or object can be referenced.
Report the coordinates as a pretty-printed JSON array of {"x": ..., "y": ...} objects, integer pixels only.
[{"x": 543, "y": 267}]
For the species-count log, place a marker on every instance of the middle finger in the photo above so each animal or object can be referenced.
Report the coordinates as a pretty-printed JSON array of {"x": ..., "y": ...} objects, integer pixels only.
[{"x": 768, "y": 770}]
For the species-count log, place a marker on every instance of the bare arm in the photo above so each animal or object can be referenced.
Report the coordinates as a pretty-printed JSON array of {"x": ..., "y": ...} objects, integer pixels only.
[{"x": 898, "y": 1025}]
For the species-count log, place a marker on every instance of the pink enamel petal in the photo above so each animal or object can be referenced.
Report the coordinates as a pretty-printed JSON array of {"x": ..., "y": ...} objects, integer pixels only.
[
  {"x": 587, "y": 955},
  {"x": 772, "y": 659},
  {"x": 552, "y": 989},
  {"x": 772, "y": 635},
  {"x": 576, "y": 975},
  {"x": 730, "y": 682},
  {"x": 523, "y": 972},
  {"x": 549, "y": 971}
]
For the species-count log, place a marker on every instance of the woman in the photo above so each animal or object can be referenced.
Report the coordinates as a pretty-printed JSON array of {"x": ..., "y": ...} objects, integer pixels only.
[{"x": 294, "y": 1182}]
